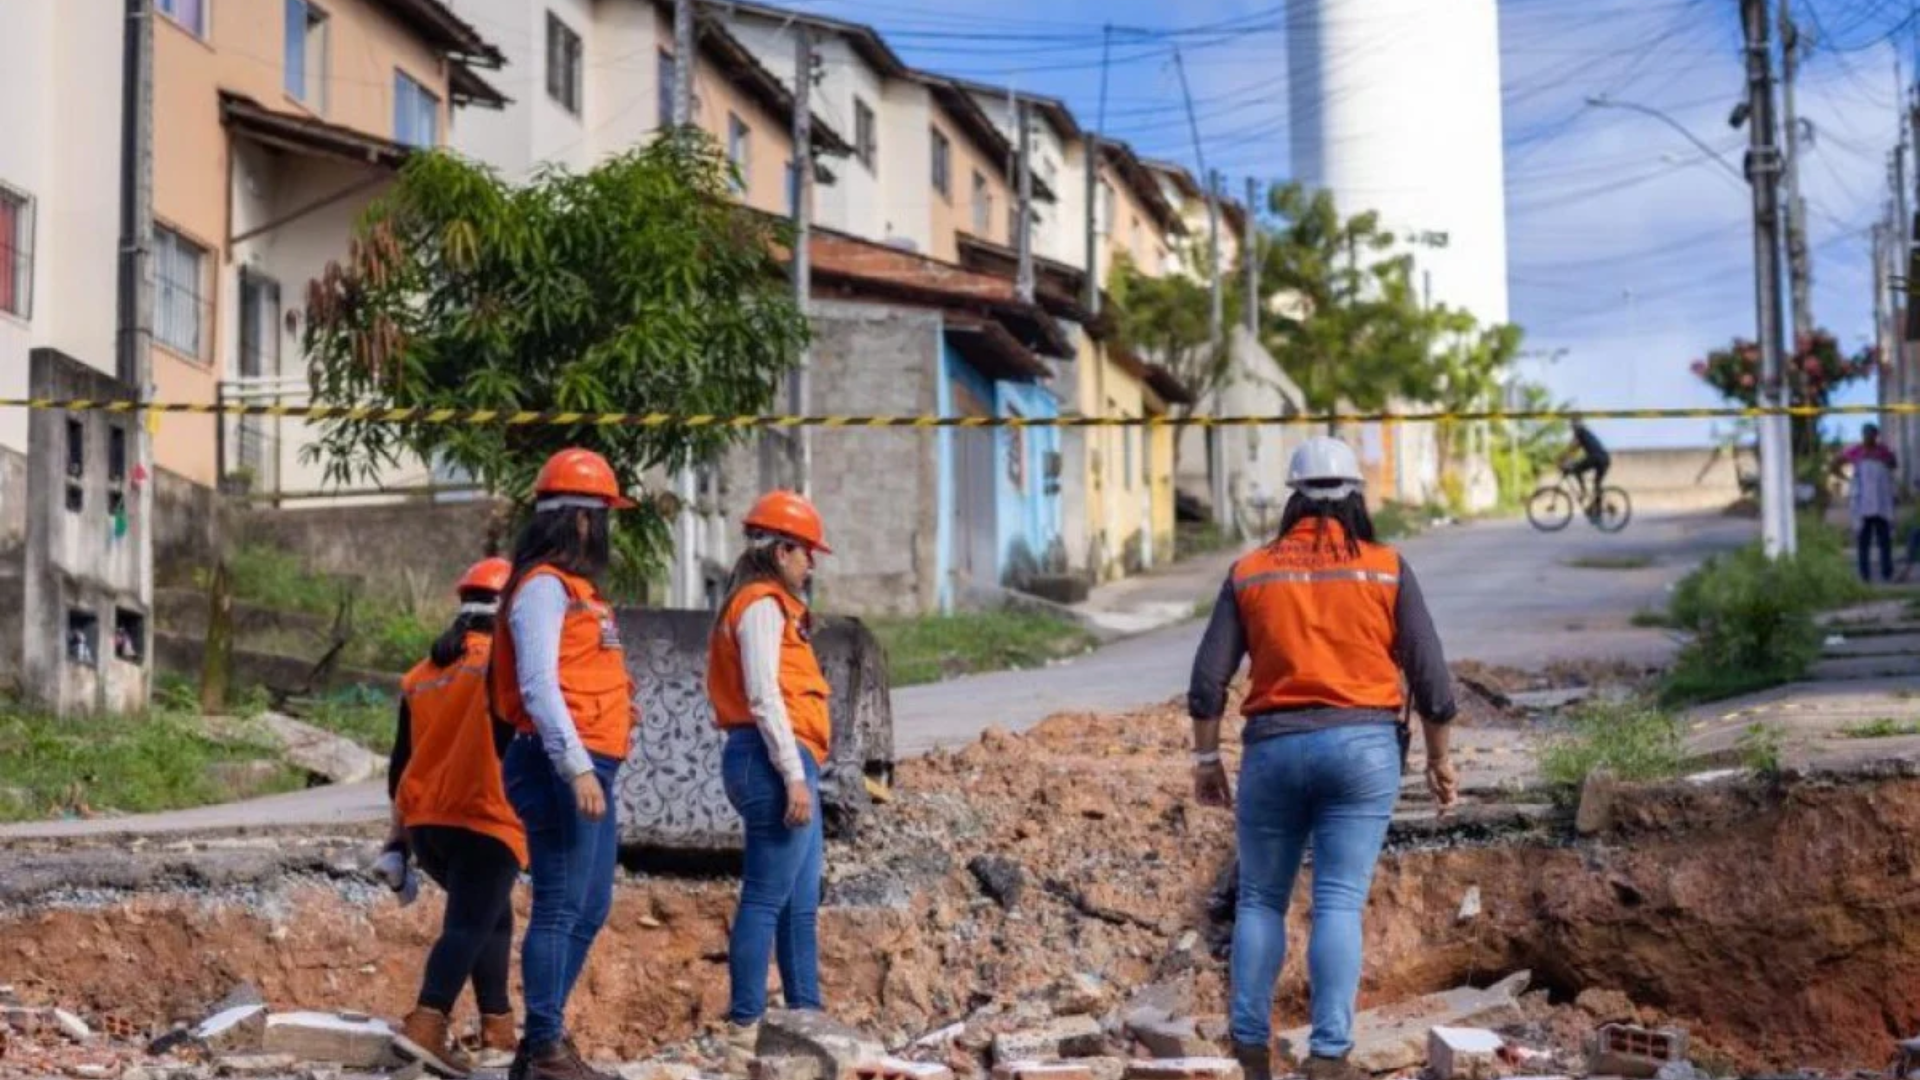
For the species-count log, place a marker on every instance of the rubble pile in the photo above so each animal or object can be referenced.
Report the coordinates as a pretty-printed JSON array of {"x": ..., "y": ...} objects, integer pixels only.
[{"x": 1038, "y": 906}]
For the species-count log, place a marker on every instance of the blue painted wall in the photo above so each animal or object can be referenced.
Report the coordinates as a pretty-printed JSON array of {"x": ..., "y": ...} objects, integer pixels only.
[{"x": 1027, "y": 515}]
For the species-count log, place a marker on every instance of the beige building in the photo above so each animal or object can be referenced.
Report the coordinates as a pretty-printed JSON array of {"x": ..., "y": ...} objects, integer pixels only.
[{"x": 275, "y": 125}]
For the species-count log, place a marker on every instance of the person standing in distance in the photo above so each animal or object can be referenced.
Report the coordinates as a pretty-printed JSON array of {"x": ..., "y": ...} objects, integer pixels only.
[
  {"x": 1336, "y": 629},
  {"x": 559, "y": 678},
  {"x": 770, "y": 697}
]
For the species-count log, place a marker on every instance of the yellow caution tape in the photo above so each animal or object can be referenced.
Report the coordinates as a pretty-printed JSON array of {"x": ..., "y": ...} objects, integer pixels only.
[{"x": 401, "y": 414}]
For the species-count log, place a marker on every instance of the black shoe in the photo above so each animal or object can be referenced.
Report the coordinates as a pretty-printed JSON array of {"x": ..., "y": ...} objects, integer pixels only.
[
  {"x": 521, "y": 1056},
  {"x": 1256, "y": 1062}
]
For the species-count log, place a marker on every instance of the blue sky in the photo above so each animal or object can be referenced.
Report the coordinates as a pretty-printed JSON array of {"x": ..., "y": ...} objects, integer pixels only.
[{"x": 1629, "y": 248}]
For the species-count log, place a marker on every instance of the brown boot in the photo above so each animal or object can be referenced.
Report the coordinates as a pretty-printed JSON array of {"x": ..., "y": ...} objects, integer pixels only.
[
  {"x": 1256, "y": 1062},
  {"x": 497, "y": 1041},
  {"x": 1323, "y": 1068},
  {"x": 424, "y": 1037},
  {"x": 560, "y": 1060}
]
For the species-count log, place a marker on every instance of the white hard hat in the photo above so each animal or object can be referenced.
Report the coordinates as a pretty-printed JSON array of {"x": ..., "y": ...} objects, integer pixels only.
[{"x": 1325, "y": 469}]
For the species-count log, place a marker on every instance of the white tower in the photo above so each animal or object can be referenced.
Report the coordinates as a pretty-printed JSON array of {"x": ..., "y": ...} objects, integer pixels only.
[{"x": 1396, "y": 109}]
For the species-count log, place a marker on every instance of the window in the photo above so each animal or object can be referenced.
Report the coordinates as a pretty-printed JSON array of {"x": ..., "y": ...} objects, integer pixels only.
[
  {"x": 942, "y": 164},
  {"x": 16, "y": 254},
  {"x": 563, "y": 64},
  {"x": 179, "y": 311},
  {"x": 1013, "y": 225},
  {"x": 416, "y": 113},
  {"x": 982, "y": 205},
  {"x": 1106, "y": 208},
  {"x": 740, "y": 152},
  {"x": 190, "y": 14},
  {"x": 793, "y": 190},
  {"x": 667, "y": 70},
  {"x": 307, "y": 54},
  {"x": 866, "y": 136}
]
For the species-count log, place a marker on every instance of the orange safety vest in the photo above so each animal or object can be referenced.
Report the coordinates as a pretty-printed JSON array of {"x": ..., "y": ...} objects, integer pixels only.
[
  {"x": 453, "y": 775},
  {"x": 802, "y": 684},
  {"x": 593, "y": 669},
  {"x": 1319, "y": 623}
]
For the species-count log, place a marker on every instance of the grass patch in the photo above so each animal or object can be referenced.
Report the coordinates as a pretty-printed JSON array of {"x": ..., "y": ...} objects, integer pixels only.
[
  {"x": 1760, "y": 747},
  {"x": 364, "y": 715},
  {"x": 933, "y": 648},
  {"x": 387, "y": 635},
  {"x": 1885, "y": 727},
  {"x": 1753, "y": 617},
  {"x": 129, "y": 764},
  {"x": 1633, "y": 740},
  {"x": 1398, "y": 521},
  {"x": 1611, "y": 562}
]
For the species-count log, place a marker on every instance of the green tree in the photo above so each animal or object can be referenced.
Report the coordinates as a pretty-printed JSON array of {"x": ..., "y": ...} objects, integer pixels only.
[
  {"x": 1169, "y": 319},
  {"x": 1356, "y": 331},
  {"x": 639, "y": 286}
]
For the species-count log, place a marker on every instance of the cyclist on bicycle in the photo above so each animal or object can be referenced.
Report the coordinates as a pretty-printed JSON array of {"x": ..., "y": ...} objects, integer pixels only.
[{"x": 1593, "y": 459}]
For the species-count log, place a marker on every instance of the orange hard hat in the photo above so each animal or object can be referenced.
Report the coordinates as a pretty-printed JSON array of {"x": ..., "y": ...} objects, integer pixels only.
[
  {"x": 582, "y": 474},
  {"x": 792, "y": 516},
  {"x": 487, "y": 575}
]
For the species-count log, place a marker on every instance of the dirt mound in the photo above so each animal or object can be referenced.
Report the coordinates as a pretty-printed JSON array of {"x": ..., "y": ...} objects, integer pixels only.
[{"x": 1783, "y": 934}]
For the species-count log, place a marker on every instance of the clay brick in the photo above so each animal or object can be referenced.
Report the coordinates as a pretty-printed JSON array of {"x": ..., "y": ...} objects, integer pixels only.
[
  {"x": 1192, "y": 1068},
  {"x": 1463, "y": 1053},
  {"x": 1632, "y": 1051}
]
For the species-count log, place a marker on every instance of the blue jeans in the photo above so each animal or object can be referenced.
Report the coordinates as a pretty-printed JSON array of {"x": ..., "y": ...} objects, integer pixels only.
[
  {"x": 780, "y": 886},
  {"x": 1335, "y": 787},
  {"x": 572, "y": 861}
]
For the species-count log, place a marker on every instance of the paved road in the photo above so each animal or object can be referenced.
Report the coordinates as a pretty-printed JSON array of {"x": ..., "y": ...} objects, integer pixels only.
[{"x": 1500, "y": 592}]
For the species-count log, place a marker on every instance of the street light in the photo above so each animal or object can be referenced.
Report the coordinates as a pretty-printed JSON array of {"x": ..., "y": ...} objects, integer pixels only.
[{"x": 1601, "y": 101}]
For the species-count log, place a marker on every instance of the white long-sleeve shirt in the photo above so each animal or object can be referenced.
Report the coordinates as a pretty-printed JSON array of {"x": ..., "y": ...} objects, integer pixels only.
[
  {"x": 537, "y": 617},
  {"x": 762, "y": 627}
]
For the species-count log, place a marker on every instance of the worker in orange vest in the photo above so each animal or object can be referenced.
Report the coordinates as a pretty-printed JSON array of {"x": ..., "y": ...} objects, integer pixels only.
[
  {"x": 1338, "y": 633},
  {"x": 559, "y": 679},
  {"x": 770, "y": 698},
  {"x": 450, "y": 810}
]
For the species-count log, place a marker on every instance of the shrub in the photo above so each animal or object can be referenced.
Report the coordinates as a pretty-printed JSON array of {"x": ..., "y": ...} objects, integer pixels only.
[{"x": 1633, "y": 740}]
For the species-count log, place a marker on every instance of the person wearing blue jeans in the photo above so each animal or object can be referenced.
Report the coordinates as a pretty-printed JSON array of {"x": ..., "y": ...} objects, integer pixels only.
[
  {"x": 558, "y": 677},
  {"x": 770, "y": 697},
  {"x": 1338, "y": 636}
]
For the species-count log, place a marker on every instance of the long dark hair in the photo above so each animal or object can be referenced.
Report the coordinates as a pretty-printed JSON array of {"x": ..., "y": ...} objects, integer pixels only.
[
  {"x": 452, "y": 642},
  {"x": 759, "y": 562},
  {"x": 1350, "y": 513},
  {"x": 552, "y": 538}
]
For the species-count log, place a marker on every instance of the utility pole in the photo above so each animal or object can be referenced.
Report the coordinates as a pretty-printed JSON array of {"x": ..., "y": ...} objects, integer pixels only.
[
  {"x": 1216, "y": 446},
  {"x": 800, "y": 444},
  {"x": 1882, "y": 335},
  {"x": 133, "y": 352},
  {"x": 1093, "y": 178},
  {"x": 1799, "y": 262},
  {"x": 1023, "y": 227},
  {"x": 686, "y": 557},
  {"x": 1218, "y": 320},
  {"x": 1250, "y": 252},
  {"x": 1763, "y": 173}
]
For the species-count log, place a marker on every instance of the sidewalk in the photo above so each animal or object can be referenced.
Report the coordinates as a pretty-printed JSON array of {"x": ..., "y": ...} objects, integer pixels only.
[{"x": 1161, "y": 597}]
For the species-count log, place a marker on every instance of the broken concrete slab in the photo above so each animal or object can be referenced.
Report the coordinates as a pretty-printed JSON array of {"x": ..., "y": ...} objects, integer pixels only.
[
  {"x": 1598, "y": 794},
  {"x": 901, "y": 1069},
  {"x": 1168, "y": 1037},
  {"x": 69, "y": 1025},
  {"x": 1190, "y": 1068},
  {"x": 1064, "y": 1037},
  {"x": 1463, "y": 1053},
  {"x": 1043, "y": 1070},
  {"x": 1394, "y": 1036},
  {"x": 784, "y": 1068},
  {"x": 255, "y": 1065},
  {"x": 241, "y": 1029},
  {"x": 316, "y": 750},
  {"x": 837, "y": 1048},
  {"x": 1550, "y": 700},
  {"x": 656, "y": 1070},
  {"x": 352, "y": 1042},
  {"x": 1632, "y": 1051}
]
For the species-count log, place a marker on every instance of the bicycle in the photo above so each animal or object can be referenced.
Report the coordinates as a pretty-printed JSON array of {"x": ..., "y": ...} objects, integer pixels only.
[{"x": 1552, "y": 506}]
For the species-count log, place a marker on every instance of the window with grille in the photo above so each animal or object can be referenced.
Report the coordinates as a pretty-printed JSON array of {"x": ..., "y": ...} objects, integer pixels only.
[
  {"x": 866, "y": 134},
  {"x": 179, "y": 309},
  {"x": 740, "y": 152},
  {"x": 942, "y": 164},
  {"x": 16, "y": 253},
  {"x": 667, "y": 76},
  {"x": 982, "y": 206},
  {"x": 563, "y": 64}
]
